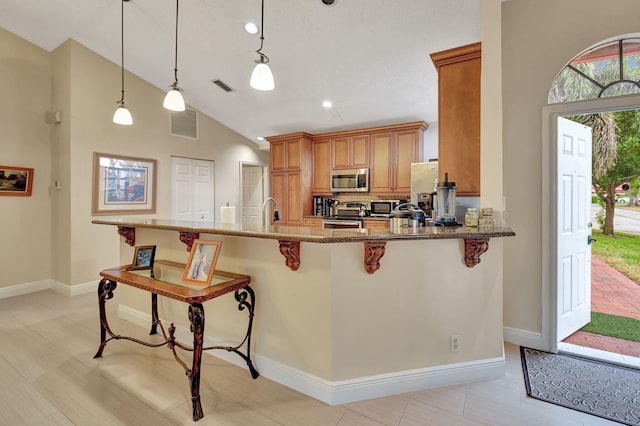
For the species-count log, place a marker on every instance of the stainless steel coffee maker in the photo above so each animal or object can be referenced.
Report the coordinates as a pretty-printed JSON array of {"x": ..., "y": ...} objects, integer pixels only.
[{"x": 426, "y": 203}]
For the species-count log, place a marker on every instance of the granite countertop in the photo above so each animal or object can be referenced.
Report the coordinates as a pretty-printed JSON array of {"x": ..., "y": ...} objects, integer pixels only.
[{"x": 308, "y": 234}]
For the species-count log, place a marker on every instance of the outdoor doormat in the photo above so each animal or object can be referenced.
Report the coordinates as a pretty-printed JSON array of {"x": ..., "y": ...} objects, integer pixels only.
[{"x": 604, "y": 390}]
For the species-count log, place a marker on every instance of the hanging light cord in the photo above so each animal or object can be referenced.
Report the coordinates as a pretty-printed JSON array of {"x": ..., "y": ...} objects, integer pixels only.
[
  {"x": 121, "y": 101},
  {"x": 175, "y": 69},
  {"x": 263, "y": 58}
]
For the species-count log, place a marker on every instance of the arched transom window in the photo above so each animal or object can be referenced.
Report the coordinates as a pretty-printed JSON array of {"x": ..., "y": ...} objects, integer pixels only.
[{"x": 609, "y": 69}]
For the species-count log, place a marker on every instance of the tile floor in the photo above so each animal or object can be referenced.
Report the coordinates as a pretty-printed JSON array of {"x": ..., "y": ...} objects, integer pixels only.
[
  {"x": 611, "y": 293},
  {"x": 48, "y": 377}
]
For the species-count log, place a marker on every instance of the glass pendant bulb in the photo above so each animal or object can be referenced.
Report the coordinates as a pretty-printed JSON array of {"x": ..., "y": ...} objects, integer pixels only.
[
  {"x": 174, "y": 101},
  {"x": 122, "y": 115},
  {"x": 262, "y": 77}
]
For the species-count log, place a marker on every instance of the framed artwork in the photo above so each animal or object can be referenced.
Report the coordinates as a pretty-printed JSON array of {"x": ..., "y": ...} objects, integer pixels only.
[
  {"x": 123, "y": 185},
  {"x": 16, "y": 181},
  {"x": 202, "y": 262},
  {"x": 143, "y": 257}
]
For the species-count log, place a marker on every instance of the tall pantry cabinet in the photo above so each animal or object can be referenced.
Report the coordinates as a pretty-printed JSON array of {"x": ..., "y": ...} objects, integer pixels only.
[
  {"x": 291, "y": 174},
  {"x": 459, "y": 116}
]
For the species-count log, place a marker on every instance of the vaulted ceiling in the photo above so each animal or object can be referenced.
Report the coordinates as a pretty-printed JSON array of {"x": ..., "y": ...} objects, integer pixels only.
[{"x": 370, "y": 58}]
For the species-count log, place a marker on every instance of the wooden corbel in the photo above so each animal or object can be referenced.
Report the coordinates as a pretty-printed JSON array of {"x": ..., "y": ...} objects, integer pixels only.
[
  {"x": 188, "y": 238},
  {"x": 128, "y": 233},
  {"x": 373, "y": 252},
  {"x": 473, "y": 248},
  {"x": 291, "y": 251}
]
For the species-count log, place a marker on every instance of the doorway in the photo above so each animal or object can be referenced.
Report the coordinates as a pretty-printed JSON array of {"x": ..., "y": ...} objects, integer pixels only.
[
  {"x": 551, "y": 186},
  {"x": 253, "y": 188}
]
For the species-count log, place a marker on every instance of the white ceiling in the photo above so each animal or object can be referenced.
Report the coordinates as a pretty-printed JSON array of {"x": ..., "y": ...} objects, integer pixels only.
[{"x": 369, "y": 57}]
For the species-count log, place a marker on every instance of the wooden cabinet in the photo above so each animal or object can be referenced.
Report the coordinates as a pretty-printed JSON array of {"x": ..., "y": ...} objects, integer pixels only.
[
  {"x": 291, "y": 174},
  {"x": 321, "y": 166},
  {"x": 375, "y": 224},
  {"x": 301, "y": 163},
  {"x": 313, "y": 222},
  {"x": 391, "y": 156},
  {"x": 459, "y": 116},
  {"x": 350, "y": 152}
]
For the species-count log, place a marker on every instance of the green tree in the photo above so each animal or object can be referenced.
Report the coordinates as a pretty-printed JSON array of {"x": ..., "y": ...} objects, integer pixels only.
[{"x": 616, "y": 155}]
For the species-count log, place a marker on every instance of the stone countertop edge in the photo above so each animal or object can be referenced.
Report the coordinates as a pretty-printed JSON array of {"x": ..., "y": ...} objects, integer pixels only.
[{"x": 312, "y": 235}]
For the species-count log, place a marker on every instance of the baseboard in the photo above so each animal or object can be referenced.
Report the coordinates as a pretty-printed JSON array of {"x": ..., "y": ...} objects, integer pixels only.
[
  {"x": 345, "y": 391},
  {"x": 523, "y": 338},
  {"x": 75, "y": 290},
  {"x": 58, "y": 287},
  {"x": 20, "y": 289}
]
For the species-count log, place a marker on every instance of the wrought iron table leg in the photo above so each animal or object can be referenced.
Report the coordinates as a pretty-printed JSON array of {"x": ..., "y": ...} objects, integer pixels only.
[
  {"x": 241, "y": 297},
  {"x": 105, "y": 292},
  {"x": 154, "y": 314},
  {"x": 196, "y": 316}
]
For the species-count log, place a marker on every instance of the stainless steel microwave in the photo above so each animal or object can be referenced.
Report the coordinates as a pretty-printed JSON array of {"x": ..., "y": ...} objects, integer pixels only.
[{"x": 352, "y": 180}]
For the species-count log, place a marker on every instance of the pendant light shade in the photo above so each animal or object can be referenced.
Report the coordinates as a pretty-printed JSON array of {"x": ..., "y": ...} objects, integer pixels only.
[
  {"x": 174, "y": 101},
  {"x": 262, "y": 77},
  {"x": 122, "y": 114}
]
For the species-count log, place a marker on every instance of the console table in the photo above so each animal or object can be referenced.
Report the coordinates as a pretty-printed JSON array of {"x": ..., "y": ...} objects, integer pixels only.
[{"x": 165, "y": 280}]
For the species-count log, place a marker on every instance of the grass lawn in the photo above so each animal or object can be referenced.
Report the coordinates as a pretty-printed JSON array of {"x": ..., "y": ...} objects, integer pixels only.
[
  {"x": 621, "y": 251},
  {"x": 614, "y": 326}
]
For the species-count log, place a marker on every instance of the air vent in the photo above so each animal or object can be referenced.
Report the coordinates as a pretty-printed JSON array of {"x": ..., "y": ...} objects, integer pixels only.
[
  {"x": 184, "y": 123},
  {"x": 221, "y": 84}
]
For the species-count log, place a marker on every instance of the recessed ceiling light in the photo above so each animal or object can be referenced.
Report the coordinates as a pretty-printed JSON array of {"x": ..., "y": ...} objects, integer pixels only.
[
  {"x": 251, "y": 28},
  {"x": 260, "y": 139},
  {"x": 327, "y": 104}
]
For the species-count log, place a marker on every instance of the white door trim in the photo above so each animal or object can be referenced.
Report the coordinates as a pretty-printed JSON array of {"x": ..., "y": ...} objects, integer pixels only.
[{"x": 550, "y": 113}]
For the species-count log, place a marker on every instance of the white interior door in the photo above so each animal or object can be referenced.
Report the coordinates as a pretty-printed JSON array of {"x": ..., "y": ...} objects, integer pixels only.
[
  {"x": 574, "y": 227},
  {"x": 252, "y": 194},
  {"x": 192, "y": 195}
]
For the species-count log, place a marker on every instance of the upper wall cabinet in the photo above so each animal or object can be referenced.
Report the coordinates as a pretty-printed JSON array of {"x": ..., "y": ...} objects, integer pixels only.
[
  {"x": 459, "y": 116},
  {"x": 321, "y": 166},
  {"x": 392, "y": 153},
  {"x": 350, "y": 152}
]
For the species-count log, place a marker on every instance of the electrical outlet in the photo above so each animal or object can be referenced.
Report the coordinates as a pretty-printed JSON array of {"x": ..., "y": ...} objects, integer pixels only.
[{"x": 454, "y": 343}]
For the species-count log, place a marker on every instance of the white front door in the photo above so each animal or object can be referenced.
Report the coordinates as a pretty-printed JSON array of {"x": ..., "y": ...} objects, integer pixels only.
[
  {"x": 574, "y": 227},
  {"x": 192, "y": 195}
]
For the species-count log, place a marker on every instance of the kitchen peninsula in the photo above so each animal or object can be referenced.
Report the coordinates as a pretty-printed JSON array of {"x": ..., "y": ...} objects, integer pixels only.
[{"x": 333, "y": 329}]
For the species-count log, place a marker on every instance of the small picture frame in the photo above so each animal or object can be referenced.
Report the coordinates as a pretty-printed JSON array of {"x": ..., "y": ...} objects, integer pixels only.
[
  {"x": 202, "y": 262},
  {"x": 16, "y": 181},
  {"x": 143, "y": 257}
]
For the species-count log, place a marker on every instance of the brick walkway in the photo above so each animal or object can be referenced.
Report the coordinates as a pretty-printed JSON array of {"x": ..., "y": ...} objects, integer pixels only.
[{"x": 611, "y": 293}]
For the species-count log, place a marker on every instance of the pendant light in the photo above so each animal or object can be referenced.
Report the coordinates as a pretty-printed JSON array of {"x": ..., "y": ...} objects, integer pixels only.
[
  {"x": 122, "y": 114},
  {"x": 261, "y": 77},
  {"x": 173, "y": 100}
]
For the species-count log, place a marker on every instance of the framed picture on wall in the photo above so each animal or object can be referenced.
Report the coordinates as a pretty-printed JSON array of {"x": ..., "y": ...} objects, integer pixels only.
[
  {"x": 16, "y": 181},
  {"x": 143, "y": 257},
  {"x": 202, "y": 262},
  {"x": 123, "y": 185}
]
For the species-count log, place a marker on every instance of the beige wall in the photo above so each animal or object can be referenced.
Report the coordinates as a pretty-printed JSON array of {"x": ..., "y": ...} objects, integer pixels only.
[
  {"x": 25, "y": 240},
  {"x": 84, "y": 87},
  {"x": 538, "y": 38}
]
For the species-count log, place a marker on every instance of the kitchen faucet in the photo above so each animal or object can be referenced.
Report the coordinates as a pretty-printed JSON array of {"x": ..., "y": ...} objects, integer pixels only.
[{"x": 276, "y": 214}]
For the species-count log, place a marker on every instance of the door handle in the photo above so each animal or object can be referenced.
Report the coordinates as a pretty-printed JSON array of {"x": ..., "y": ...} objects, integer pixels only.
[{"x": 590, "y": 239}]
